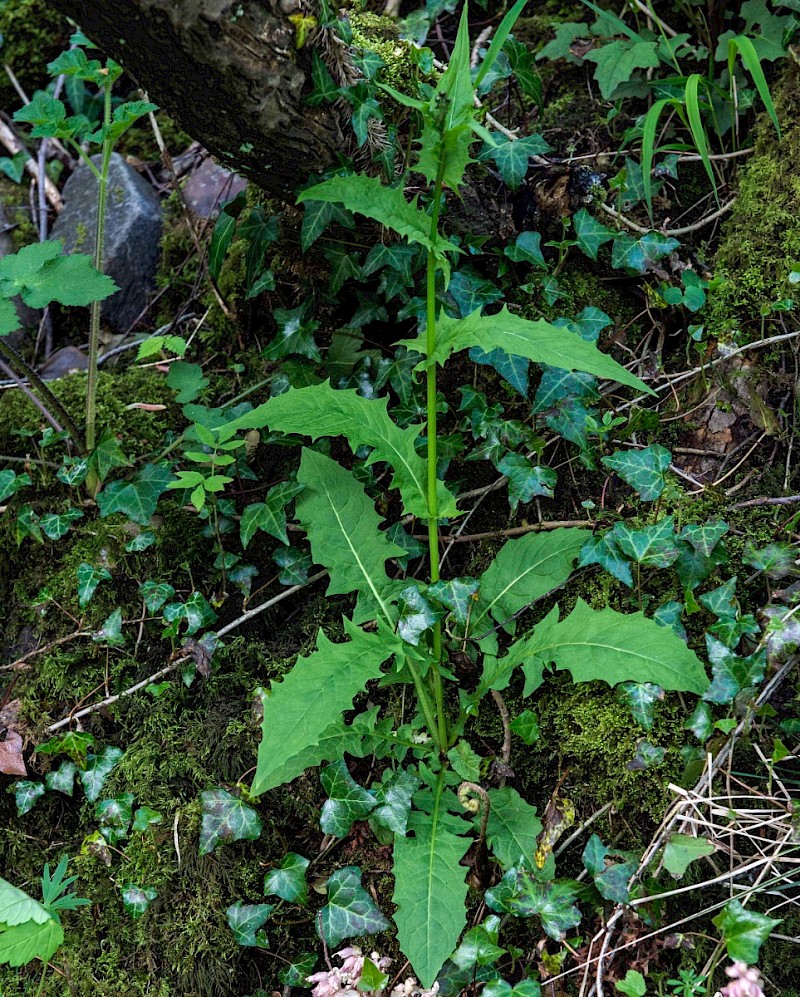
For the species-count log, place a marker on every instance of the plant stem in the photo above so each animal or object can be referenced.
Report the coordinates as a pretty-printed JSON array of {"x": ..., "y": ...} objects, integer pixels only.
[
  {"x": 433, "y": 501},
  {"x": 94, "y": 325}
]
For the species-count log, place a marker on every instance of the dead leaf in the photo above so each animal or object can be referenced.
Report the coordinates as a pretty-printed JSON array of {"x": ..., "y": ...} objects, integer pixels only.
[
  {"x": 11, "y": 760},
  {"x": 200, "y": 655}
]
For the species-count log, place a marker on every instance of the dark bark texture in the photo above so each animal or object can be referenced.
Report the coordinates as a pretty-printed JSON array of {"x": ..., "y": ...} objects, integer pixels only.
[{"x": 228, "y": 73}]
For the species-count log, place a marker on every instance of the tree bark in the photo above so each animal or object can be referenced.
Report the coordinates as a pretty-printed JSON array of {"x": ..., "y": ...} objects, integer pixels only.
[{"x": 230, "y": 75}]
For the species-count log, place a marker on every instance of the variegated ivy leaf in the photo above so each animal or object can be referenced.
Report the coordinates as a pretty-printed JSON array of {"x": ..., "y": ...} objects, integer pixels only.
[
  {"x": 693, "y": 567},
  {"x": 641, "y": 699},
  {"x": 731, "y": 673},
  {"x": 704, "y": 537},
  {"x": 512, "y": 829},
  {"x": 556, "y": 385},
  {"x": 245, "y": 920},
  {"x": 701, "y": 722},
  {"x": 144, "y": 818},
  {"x": 294, "y": 565},
  {"x": 89, "y": 577},
  {"x": 111, "y": 631},
  {"x": 136, "y": 899},
  {"x": 603, "y": 550},
  {"x": 644, "y": 470},
  {"x": 417, "y": 614},
  {"x": 97, "y": 770},
  {"x": 270, "y": 515},
  {"x": 610, "y": 877},
  {"x": 196, "y": 611},
  {"x": 350, "y": 910},
  {"x": 518, "y": 893},
  {"x": 226, "y": 818},
  {"x": 56, "y": 526},
  {"x": 136, "y": 499},
  {"x": 457, "y": 595},
  {"x": 26, "y": 795},
  {"x": 499, "y": 988},
  {"x": 651, "y": 546},
  {"x": 669, "y": 614},
  {"x": 74, "y": 744},
  {"x": 347, "y": 801},
  {"x": 683, "y": 849},
  {"x": 289, "y": 881},
  {"x": 115, "y": 817},
  {"x": 393, "y": 796},
  {"x": 11, "y": 482},
  {"x": 155, "y": 594},
  {"x": 299, "y": 968},
  {"x": 775, "y": 560},
  {"x": 590, "y": 232},
  {"x": 646, "y": 756},
  {"x": 526, "y": 480},
  {"x": 722, "y": 601},
  {"x": 140, "y": 542},
  {"x": 510, "y": 368},
  {"x": 62, "y": 779}
]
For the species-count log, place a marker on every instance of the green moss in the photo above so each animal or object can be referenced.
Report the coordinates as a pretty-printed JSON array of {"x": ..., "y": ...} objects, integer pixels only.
[
  {"x": 381, "y": 35},
  {"x": 33, "y": 33},
  {"x": 762, "y": 236}
]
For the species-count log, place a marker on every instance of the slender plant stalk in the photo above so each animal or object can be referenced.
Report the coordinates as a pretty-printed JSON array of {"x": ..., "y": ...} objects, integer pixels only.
[
  {"x": 433, "y": 502},
  {"x": 94, "y": 326}
]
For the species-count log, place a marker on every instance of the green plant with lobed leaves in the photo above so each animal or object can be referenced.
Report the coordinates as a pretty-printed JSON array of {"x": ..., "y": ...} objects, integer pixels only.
[{"x": 425, "y": 630}]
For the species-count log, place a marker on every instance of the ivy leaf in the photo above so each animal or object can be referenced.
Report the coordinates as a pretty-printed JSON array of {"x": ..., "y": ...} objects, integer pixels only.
[
  {"x": 318, "y": 216},
  {"x": 294, "y": 565},
  {"x": 430, "y": 891},
  {"x": 98, "y": 768},
  {"x": 226, "y": 818},
  {"x": 270, "y": 515},
  {"x": 526, "y": 479},
  {"x": 721, "y": 601},
  {"x": 74, "y": 744},
  {"x": 640, "y": 254},
  {"x": 652, "y": 546},
  {"x": 115, "y": 817},
  {"x": 295, "y": 335},
  {"x": 41, "y": 274},
  {"x": 775, "y": 560},
  {"x": 196, "y": 611},
  {"x": 417, "y": 615},
  {"x": 155, "y": 594},
  {"x": 89, "y": 577},
  {"x": 527, "y": 248},
  {"x": 259, "y": 232},
  {"x": 62, "y": 779},
  {"x": 616, "y": 62},
  {"x": 145, "y": 818},
  {"x": 350, "y": 910},
  {"x": 512, "y": 369},
  {"x": 26, "y": 795},
  {"x": 318, "y": 410},
  {"x": 324, "y": 87},
  {"x": 11, "y": 482},
  {"x": 347, "y": 801},
  {"x": 136, "y": 499},
  {"x": 244, "y": 920},
  {"x": 512, "y": 829},
  {"x": 55, "y": 525},
  {"x": 319, "y": 688},
  {"x": 683, "y": 849},
  {"x": 393, "y": 796},
  {"x": 343, "y": 266},
  {"x": 512, "y": 157},
  {"x": 590, "y": 233},
  {"x": 610, "y": 878},
  {"x": 730, "y": 673},
  {"x": 298, "y": 969},
  {"x": 107, "y": 455},
  {"x": 472, "y": 291},
  {"x": 526, "y": 726},
  {"x": 456, "y": 595},
  {"x": 603, "y": 550},
  {"x": 136, "y": 899},
  {"x": 744, "y": 931},
  {"x": 538, "y": 340},
  {"x": 644, "y": 470},
  {"x": 704, "y": 537},
  {"x": 110, "y": 633},
  {"x": 701, "y": 723},
  {"x": 520, "y": 895},
  {"x": 608, "y": 646},
  {"x": 289, "y": 881},
  {"x": 524, "y": 570},
  {"x": 641, "y": 699}
]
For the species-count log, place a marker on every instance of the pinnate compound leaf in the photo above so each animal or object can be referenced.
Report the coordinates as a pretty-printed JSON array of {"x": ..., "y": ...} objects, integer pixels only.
[
  {"x": 226, "y": 818},
  {"x": 319, "y": 410},
  {"x": 245, "y": 920},
  {"x": 28, "y": 941},
  {"x": 644, "y": 470},
  {"x": 136, "y": 899},
  {"x": 611, "y": 647},
  {"x": 683, "y": 849},
  {"x": 350, "y": 910},
  {"x": 289, "y": 881},
  {"x": 342, "y": 527},
  {"x": 524, "y": 570},
  {"x": 430, "y": 891},
  {"x": 318, "y": 689},
  {"x": 538, "y": 340},
  {"x": 744, "y": 931},
  {"x": 512, "y": 829},
  {"x": 520, "y": 895},
  {"x": 347, "y": 801},
  {"x": 16, "y": 907}
]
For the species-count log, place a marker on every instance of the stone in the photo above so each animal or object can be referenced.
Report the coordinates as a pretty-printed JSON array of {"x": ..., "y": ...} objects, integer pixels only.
[
  {"x": 208, "y": 187},
  {"x": 133, "y": 231},
  {"x": 67, "y": 360}
]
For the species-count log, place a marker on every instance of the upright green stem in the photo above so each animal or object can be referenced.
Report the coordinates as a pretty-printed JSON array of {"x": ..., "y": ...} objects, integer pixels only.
[
  {"x": 433, "y": 499},
  {"x": 94, "y": 326}
]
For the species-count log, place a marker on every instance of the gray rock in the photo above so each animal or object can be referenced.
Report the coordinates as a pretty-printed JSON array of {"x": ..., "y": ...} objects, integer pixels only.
[
  {"x": 133, "y": 230},
  {"x": 208, "y": 187}
]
